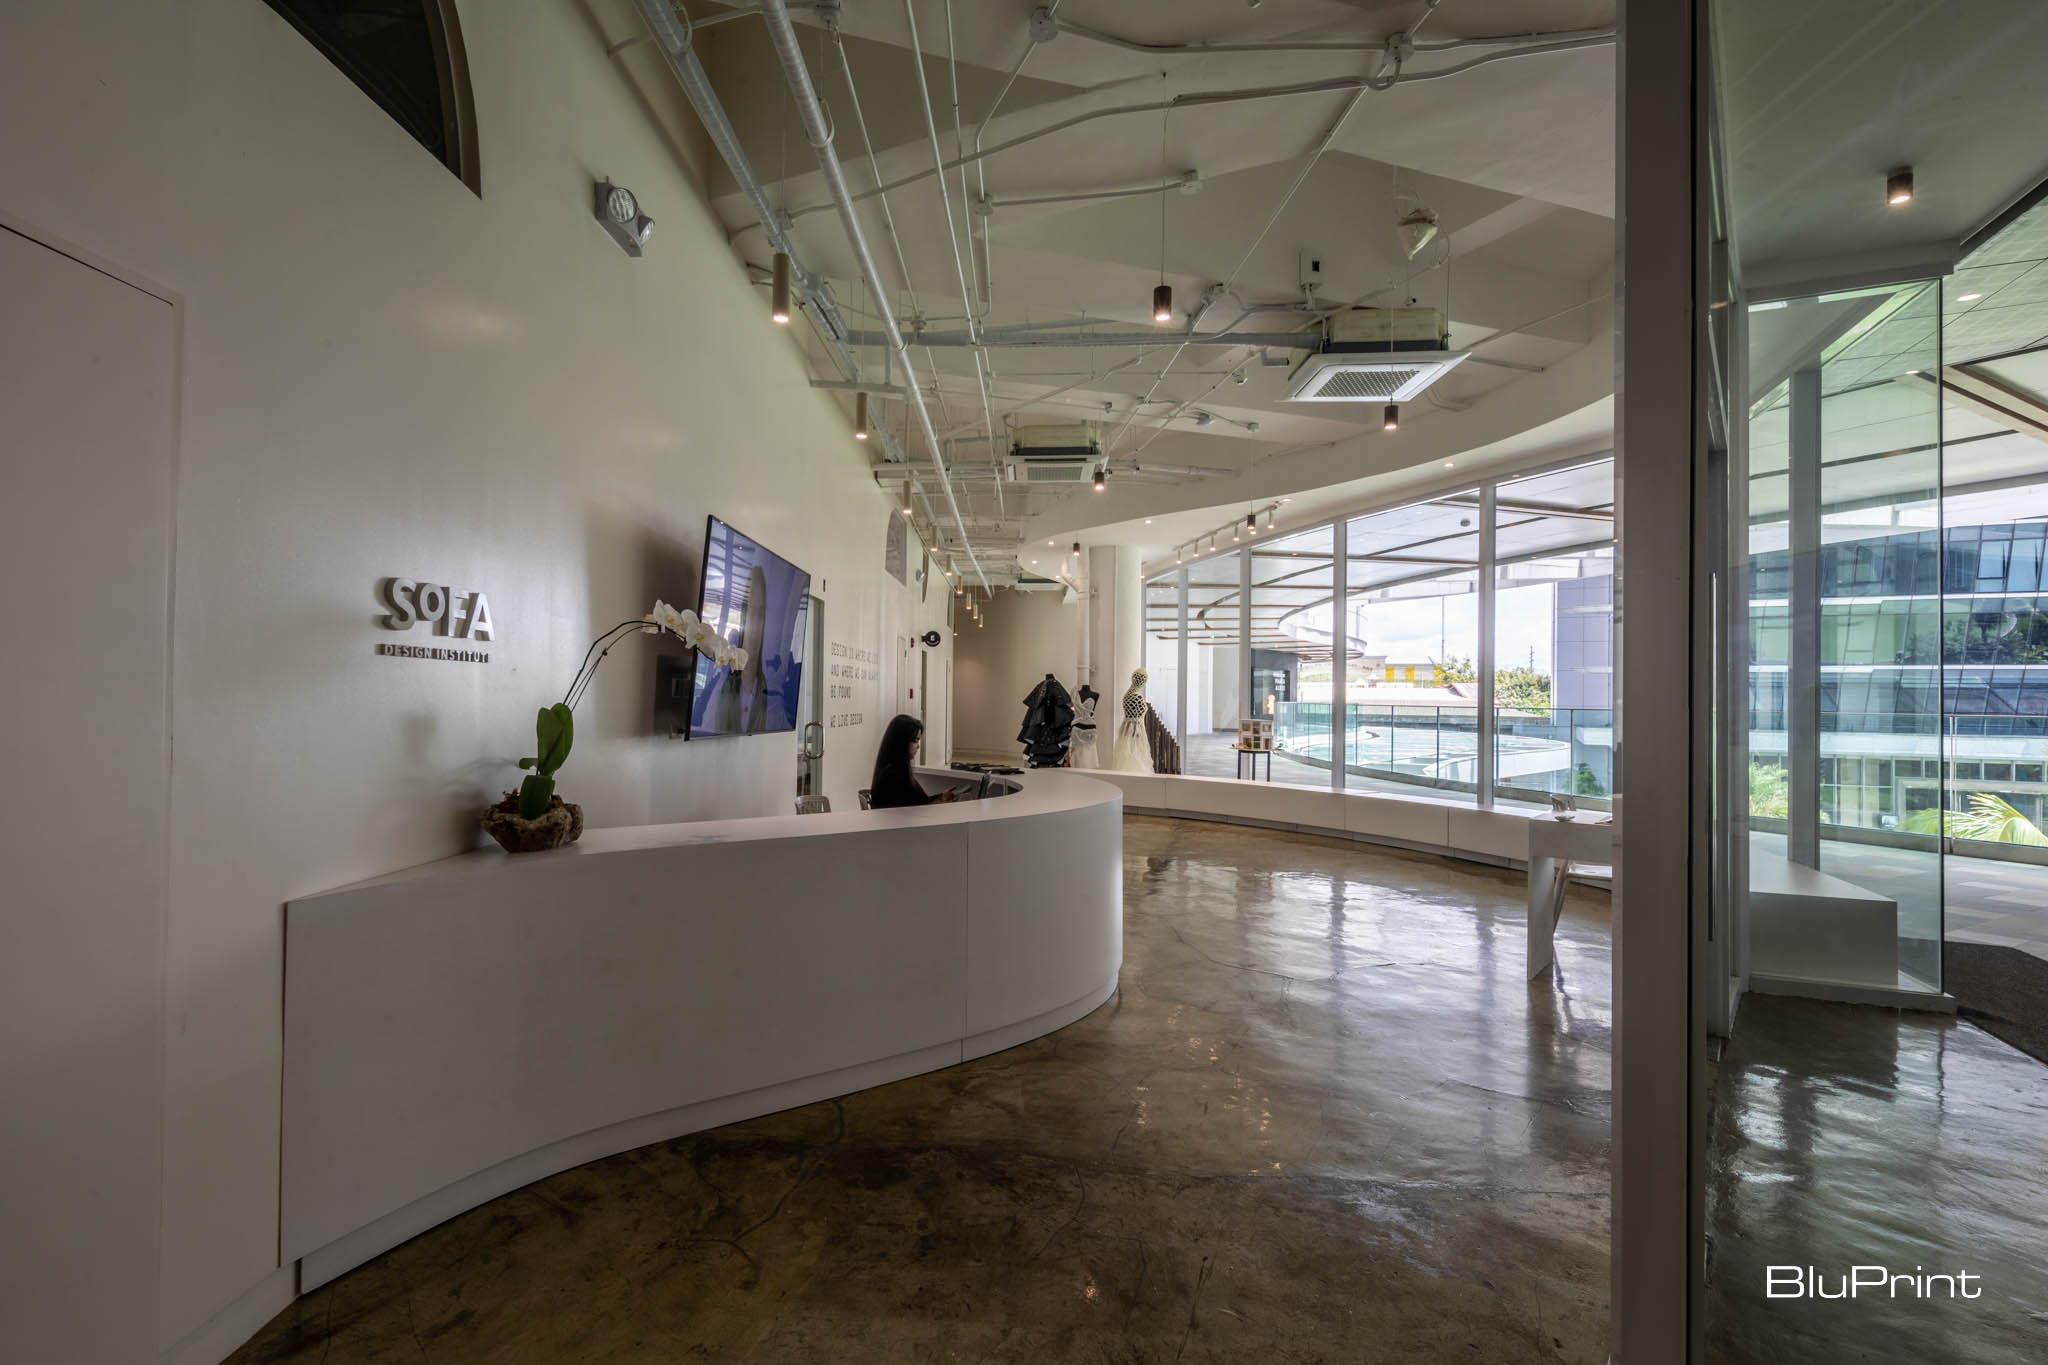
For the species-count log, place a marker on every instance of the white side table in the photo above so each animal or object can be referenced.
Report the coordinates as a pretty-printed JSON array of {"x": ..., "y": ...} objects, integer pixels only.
[{"x": 1554, "y": 845}]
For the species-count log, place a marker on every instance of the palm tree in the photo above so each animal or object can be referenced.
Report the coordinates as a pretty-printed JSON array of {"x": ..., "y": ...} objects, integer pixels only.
[{"x": 1990, "y": 820}]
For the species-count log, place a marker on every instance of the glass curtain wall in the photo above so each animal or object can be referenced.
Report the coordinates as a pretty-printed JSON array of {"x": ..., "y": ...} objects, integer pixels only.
[
  {"x": 1293, "y": 654},
  {"x": 1214, "y": 651},
  {"x": 1406, "y": 646},
  {"x": 1553, "y": 650},
  {"x": 1414, "y": 612},
  {"x": 1161, "y": 658},
  {"x": 1845, "y": 637}
]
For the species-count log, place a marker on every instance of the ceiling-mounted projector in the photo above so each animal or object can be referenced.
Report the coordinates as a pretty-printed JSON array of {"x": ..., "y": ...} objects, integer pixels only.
[{"x": 1375, "y": 355}]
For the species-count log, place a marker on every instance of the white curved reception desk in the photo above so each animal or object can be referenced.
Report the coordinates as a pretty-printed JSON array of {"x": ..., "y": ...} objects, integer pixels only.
[{"x": 460, "y": 1029}]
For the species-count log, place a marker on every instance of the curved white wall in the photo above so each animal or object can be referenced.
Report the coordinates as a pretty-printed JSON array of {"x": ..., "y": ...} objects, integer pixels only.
[{"x": 381, "y": 373}]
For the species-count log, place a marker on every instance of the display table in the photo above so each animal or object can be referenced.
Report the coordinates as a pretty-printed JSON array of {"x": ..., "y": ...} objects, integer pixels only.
[
  {"x": 460, "y": 1029},
  {"x": 1554, "y": 845},
  {"x": 1244, "y": 753}
]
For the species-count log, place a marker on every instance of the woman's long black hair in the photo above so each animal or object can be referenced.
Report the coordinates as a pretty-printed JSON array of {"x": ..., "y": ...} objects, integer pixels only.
[{"x": 894, "y": 784}]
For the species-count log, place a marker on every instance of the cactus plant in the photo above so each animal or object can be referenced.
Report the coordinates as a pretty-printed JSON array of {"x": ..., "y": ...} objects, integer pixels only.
[{"x": 554, "y": 733}]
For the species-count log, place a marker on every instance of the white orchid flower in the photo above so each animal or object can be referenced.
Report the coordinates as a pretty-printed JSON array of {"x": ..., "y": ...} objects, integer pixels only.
[
  {"x": 739, "y": 659},
  {"x": 656, "y": 618}
]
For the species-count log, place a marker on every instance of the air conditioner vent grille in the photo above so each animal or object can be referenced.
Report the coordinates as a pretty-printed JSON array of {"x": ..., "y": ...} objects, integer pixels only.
[
  {"x": 1044, "y": 470},
  {"x": 1369, "y": 377},
  {"x": 1340, "y": 385}
]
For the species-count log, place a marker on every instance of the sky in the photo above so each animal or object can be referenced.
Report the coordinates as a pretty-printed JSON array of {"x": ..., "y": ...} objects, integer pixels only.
[{"x": 1431, "y": 627}]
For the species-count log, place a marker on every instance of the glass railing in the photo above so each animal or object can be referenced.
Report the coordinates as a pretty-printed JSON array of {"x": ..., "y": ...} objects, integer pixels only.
[
  {"x": 1537, "y": 753},
  {"x": 1561, "y": 750}
]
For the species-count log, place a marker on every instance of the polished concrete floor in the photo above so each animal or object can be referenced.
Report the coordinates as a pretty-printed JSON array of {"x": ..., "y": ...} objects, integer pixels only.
[
  {"x": 1324, "y": 1119},
  {"x": 1848, "y": 1136}
]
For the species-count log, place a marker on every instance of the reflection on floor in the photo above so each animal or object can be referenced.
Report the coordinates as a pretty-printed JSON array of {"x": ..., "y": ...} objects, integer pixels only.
[
  {"x": 1848, "y": 1136},
  {"x": 1325, "y": 1118}
]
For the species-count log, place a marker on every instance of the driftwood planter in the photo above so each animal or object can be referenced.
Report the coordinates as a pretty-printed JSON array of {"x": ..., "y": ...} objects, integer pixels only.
[{"x": 562, "y": 824}]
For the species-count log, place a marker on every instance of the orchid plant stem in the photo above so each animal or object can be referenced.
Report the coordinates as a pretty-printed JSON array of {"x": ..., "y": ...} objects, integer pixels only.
[{"x": 588, "y": 669}]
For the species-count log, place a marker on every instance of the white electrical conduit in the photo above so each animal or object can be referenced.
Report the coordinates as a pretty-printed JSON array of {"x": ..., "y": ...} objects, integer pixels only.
[
  {"x": 952, "y": 232},
  {"x": 889, "y": 218},
  {"x": 1357, "y": 95},
  {"x": 1081, "y": 195},
  {"x": 988, "y": 264},
  {"x": 1334, "y": 85},
  {"x": 672, "y": 33},
  {"x": 1313, "y": 45},
  {"x": 798, "y": 76}
]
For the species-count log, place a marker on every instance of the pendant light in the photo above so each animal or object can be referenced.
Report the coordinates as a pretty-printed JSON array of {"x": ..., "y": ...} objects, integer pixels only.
[
  {"x": 1251, "y": 522},
  {"x": 1162, "y": 294},
  {"x": 1898, "y": 187},
  {"x": 1101, "y": 478},
  {"x": 1392, "y": 418},
  {"x": 906, "y": 509},
  {"x": 860, "y": 415},
  {"x": 778, "y": 292}
]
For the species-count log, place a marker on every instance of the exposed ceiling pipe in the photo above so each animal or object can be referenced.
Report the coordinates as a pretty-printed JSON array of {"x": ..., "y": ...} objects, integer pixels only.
[
  {"x": 888, "y": 218},
  {"x": 672, "y": 35},
  {"x": 1334, "y": 85},
  {"x": 987, "y": 263},
  {"x": 1314, "y": 45},
  {"x": 1153, "y": 339},
  {"x": 798, "y": 76},
  {"x": 931, "y": 126}
]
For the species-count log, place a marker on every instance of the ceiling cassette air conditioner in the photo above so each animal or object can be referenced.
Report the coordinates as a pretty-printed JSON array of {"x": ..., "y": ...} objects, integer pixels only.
[
  {"x": 1051, "y": 469},
  {"x": 1064, "y": 440},
  {"x": 1375, "y": 355}
]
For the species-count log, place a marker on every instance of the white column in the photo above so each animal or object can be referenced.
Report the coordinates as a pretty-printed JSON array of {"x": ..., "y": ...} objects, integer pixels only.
[
  {"x": 1180, "y": 711},
  {"x": 1114, "y": 613},
  {"x": 1486, "y": 650},
  {"x": 1340, "y": 641},
  {"x": 1244, "y": 633},
  {"x": 1658, "y": 1263},
  {"x": 1802, "y": 671}
]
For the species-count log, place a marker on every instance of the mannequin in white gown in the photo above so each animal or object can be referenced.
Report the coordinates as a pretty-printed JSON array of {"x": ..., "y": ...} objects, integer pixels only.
[
  {"x": 1133, "y": 752},
  {"x": 1085, "y": 753}
]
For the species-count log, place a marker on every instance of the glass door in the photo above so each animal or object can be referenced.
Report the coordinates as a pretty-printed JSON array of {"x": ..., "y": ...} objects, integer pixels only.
[
  {"x": 810, "y": 749},
  {"x": 1845, "y": 632}
]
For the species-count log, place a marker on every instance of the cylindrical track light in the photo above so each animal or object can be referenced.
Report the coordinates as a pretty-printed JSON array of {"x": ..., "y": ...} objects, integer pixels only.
[
  {"x": 860, "y": 415},
  {"x": 1898, "y": 186},
  {"x": 1251, "y": 522},
  {"x": 1162, "y": 303},
  {"x": 778, "y": 292},
  {"x": 1392, "y": 418},
  {"x": 1101, "y": 478},
  {"x": 905, "y": 508}
]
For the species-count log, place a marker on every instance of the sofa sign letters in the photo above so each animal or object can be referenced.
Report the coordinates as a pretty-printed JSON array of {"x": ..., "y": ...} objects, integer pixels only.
[{"x": 448, "y": 611}]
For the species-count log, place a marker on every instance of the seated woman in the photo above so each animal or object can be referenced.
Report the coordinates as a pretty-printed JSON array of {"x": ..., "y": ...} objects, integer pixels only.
[{"x": 895, "y": 784}]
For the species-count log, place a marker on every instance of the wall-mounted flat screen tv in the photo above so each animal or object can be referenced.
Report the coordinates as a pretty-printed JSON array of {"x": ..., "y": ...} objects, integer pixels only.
[{"x": 761, "y": 602}]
